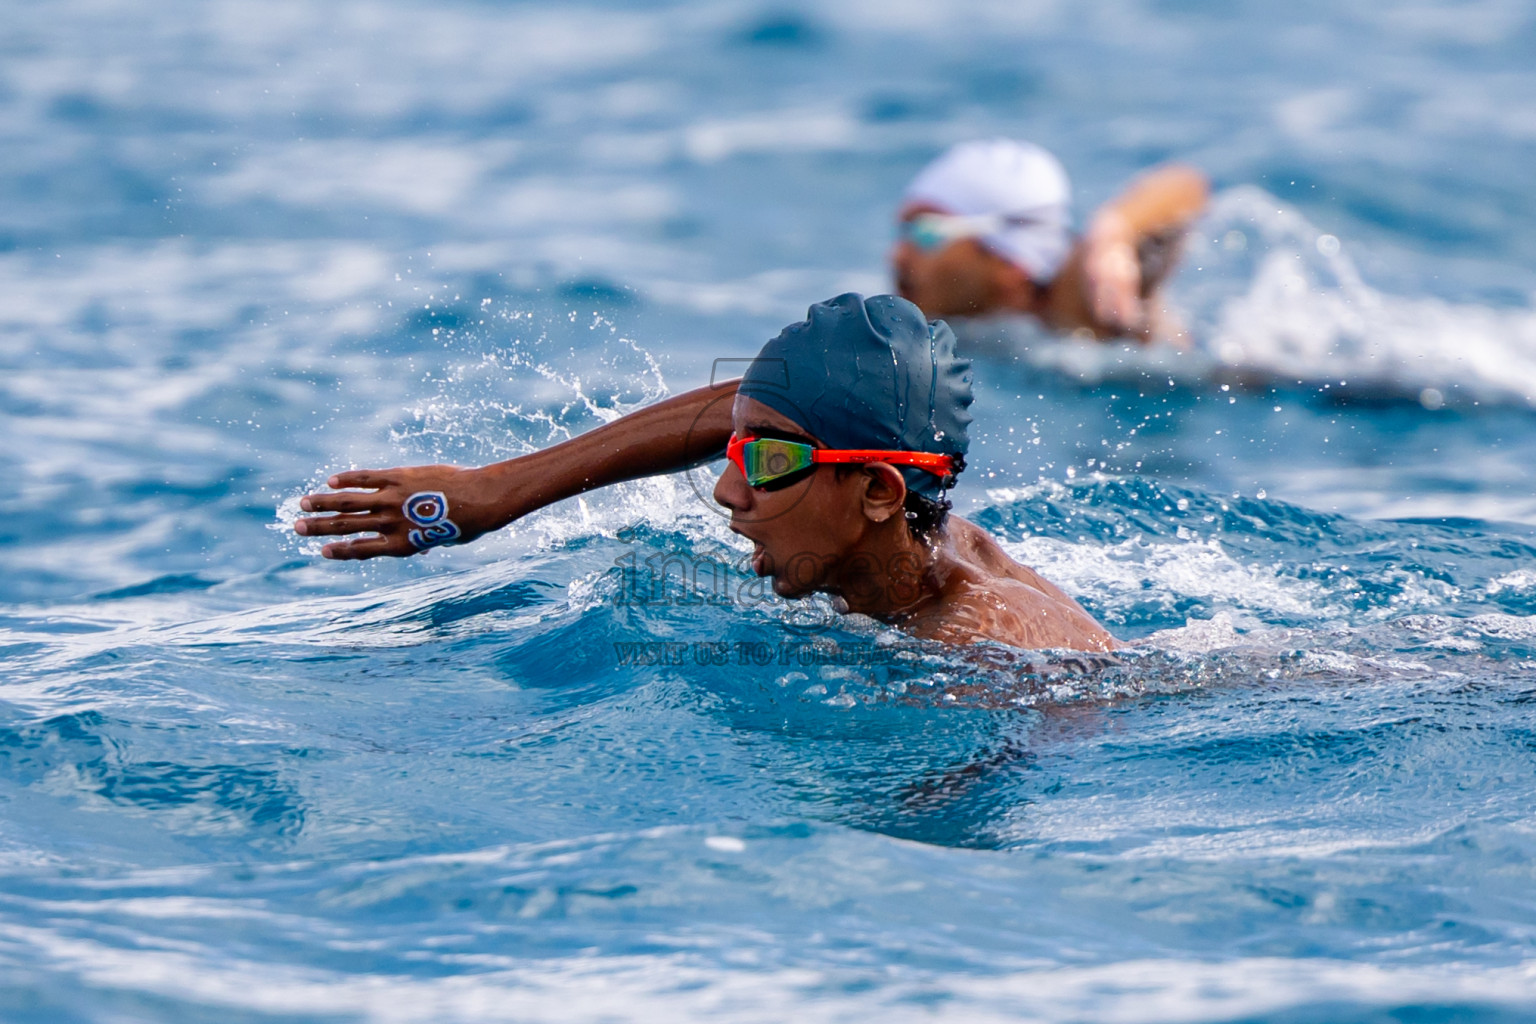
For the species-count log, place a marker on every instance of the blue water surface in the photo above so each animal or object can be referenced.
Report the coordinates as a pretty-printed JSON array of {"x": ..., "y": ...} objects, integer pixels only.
[{"x": 588, "y": 769}]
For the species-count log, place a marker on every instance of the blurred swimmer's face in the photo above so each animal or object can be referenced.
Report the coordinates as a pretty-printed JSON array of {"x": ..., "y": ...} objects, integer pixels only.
[
  {"x": 801, "y": 528},
  {"x": 944, "y": 276}
]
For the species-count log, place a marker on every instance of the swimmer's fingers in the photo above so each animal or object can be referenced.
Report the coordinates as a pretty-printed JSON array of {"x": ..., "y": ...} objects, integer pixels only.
[
  {"x": 355, "y": 513},
  {"x": 344, "y": 501},
  {"x": 372, "y": 479},
  {"x": 330, "y": 526},
  {"x": 387, "y": 536},
  {"x": 367, "y": 547}
]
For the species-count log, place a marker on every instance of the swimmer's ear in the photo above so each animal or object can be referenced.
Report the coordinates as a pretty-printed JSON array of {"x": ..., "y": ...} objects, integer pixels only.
[{"x": 884, "y": 493}]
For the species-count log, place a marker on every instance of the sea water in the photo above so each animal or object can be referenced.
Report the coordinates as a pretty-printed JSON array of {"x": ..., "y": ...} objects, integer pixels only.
[{"x": 589, "y": 769}]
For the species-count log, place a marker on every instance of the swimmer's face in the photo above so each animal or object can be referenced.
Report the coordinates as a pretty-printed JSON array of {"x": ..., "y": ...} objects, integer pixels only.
[
  {"x": 958, "y": 278},
  {"x": 800, "y": 533}
]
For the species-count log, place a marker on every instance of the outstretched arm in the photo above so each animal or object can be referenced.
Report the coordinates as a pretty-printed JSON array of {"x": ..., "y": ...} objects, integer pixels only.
[
  {"x": 1130, "y": 246},
  {"x": 661, "y": 438},
  {"x": 1164, "y": 198}
]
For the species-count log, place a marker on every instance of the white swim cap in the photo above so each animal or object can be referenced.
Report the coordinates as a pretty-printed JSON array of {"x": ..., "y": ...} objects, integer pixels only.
[{"x": 1009, "y": 178}]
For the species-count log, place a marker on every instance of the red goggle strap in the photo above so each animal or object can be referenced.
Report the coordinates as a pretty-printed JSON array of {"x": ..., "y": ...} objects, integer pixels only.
[{"x": 937, "y": 464}]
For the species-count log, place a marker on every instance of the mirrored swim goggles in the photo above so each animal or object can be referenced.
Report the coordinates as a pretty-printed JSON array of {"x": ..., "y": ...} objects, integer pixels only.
[
  {"x": 769, "y": 462},
  {"x": 930, "y": 231}
]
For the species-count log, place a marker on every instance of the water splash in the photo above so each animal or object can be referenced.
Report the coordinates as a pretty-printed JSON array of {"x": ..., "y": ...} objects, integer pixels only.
[{"x": 1272, "y": 300}]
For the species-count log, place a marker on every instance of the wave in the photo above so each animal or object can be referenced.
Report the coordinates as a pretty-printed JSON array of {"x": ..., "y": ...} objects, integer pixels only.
[
  {"x": 1271, "y": 300},
  {"x": 352, "y": 939},
  {"x": 645, "y": 578}
]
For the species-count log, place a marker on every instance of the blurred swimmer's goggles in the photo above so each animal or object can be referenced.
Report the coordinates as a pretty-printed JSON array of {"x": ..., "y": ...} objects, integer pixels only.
[
  {"x": 929, "y": 231},
  {"x": 766, "y": 461}
]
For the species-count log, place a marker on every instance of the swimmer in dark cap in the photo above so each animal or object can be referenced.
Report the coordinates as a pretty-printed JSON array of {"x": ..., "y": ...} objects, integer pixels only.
[{"x": 842, "y": 438}]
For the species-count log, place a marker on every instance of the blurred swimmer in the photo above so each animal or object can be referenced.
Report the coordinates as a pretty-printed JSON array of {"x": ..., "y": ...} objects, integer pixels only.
[
  {"x": 842, "y": 439},
  {"x": 986, "y": 229}
]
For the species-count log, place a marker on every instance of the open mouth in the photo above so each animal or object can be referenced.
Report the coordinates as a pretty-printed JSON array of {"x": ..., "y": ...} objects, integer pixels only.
[{"x": 759, "y": 552}]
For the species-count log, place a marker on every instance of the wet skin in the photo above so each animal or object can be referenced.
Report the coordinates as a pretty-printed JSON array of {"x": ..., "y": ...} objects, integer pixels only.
[
  {"x": 959, "y": 278},
  {"x": 842, "y": 533},
  {"x": 845, "y": 533}
]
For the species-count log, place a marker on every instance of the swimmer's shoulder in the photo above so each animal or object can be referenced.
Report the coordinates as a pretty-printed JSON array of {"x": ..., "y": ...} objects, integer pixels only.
[
  {"x": 974, "y": 546},
  {"x": 992, "y": 597},
  {"x": 1015, "y": 613}
]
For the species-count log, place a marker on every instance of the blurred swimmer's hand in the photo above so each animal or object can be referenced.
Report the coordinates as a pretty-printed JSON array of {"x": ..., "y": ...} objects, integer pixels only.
[
  {"x": 405, "y": 511},
  {"x": 1112, "y": 276},
  {"x": 1131, "y": 246}
]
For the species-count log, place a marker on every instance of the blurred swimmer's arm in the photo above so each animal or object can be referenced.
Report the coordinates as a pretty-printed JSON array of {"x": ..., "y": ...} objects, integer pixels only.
[
  {"x": 1162, "y": 199},
  {"x": 1130, "y": 247},
  {"x": 400, "y": 509}
]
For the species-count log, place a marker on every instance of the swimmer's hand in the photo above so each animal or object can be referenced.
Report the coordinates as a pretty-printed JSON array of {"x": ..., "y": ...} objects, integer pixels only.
[
  {"x": 408, "y": 510},
  {"x": 1112, "y": 276},
  {"x": 1119, "y": 284}
]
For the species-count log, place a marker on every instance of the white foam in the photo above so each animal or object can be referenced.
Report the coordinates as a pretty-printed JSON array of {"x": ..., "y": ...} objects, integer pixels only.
[
  {"x": 1271, "y": 298},
  {"x": 1306, "y": 314},
  {"x": 1520, "y": 580},
  {"x": 686, "y": 985},
  {"x": 1121, "y": 576},
  {"x": 1197, "y": 636}
]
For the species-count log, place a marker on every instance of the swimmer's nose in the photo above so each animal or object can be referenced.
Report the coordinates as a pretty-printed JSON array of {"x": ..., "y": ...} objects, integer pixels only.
[{"x": 731, "y": 489}]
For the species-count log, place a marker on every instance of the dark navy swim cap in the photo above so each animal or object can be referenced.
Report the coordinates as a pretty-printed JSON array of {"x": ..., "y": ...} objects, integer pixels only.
[{"x": 869, "y": 373}]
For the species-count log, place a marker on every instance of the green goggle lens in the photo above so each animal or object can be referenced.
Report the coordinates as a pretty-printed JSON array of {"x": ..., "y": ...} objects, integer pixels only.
[
  {"x": 767, "y": 459},
  {"x": 927, "y": 233}
]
